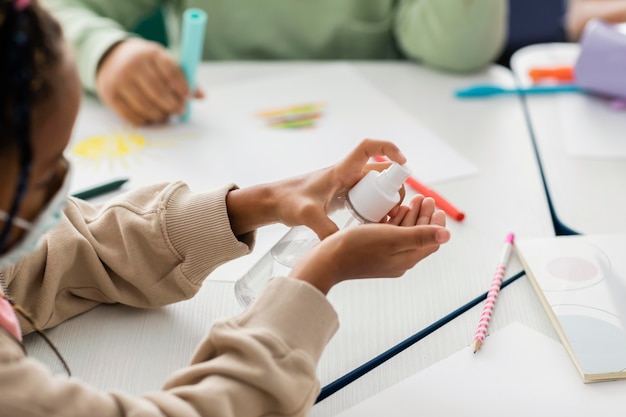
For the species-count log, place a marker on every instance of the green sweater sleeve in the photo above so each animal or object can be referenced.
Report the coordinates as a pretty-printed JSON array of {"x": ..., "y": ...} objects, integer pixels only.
[
  {"x": 93, "y": 26},
  {"x": 453, "y": 35}
]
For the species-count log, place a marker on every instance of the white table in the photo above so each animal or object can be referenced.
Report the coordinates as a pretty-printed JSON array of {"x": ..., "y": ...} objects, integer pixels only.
[
  {"x": 115, "y": 347},
  {"x": 587, "y": 192}
]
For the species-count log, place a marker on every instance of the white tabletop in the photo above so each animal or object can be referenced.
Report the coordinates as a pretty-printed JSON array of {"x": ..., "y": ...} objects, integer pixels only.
[
  {"x": 115, "y": 347},
  {"x": 586, "y": 190}
]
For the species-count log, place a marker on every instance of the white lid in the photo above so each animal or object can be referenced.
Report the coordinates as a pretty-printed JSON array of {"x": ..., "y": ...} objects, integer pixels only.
[{"x": 377, "y": 192}]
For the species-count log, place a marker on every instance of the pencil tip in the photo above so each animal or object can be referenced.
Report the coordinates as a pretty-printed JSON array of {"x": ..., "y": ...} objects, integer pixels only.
[{"x": 477, "y": 345}]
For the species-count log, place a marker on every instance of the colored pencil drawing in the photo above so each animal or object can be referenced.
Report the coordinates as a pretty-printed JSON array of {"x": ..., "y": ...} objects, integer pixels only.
[{"x": 299, "y": 116}]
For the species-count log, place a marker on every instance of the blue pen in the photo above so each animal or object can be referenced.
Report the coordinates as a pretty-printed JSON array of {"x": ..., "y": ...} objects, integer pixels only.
[
  {"x": 192, "y": 40},
  {"x": 486, "y": 90}
]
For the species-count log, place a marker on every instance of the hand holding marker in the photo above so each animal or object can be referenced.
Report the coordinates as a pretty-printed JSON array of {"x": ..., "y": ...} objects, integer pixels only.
[{"x": 192, "y": 41}]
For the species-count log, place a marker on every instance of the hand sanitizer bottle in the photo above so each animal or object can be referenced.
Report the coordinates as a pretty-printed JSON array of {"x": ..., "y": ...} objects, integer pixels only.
[{"x": 368, "y": 201}]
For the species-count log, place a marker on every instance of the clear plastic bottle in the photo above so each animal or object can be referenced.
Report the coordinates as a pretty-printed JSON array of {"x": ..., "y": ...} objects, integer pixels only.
[{"x": 367, "y": 202}]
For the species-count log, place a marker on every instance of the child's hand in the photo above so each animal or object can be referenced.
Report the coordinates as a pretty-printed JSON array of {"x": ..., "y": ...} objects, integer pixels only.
[
  {"x": 420, "y": 211},
  {"x": 579, "y": 12},
  {"x": 308, "y": 199},
  {"x": 376, "y": 250},
  {"x": 142, "y": 82}
]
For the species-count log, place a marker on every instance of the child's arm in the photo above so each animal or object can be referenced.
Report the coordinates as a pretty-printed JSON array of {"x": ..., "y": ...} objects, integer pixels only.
[
  {"x": 306, "y": 199},
  {"x": 149, "y": 247},
  {"x": 261, "y": 362},
  {"x": 94, "y": 26}
]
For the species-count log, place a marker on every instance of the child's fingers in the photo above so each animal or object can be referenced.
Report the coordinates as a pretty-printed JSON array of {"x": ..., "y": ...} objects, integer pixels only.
[
  {"x": 427, "y": 209},
  {"x": 398, "y": 216},
  {"x": 141, "y": 104},
  {"x": 418, "y": 237},
  {"x": 414, "y": 209},
  {"x": 127, "y": 113},
  {"x": 322, "y": 226},
  {"x": 172, "y": 75},
  {"x": 157, "y": 91},
  {"x": 199, "y": 93},
  {"x": 438, "y": 218},
  {"x": 370, "y": 148}
]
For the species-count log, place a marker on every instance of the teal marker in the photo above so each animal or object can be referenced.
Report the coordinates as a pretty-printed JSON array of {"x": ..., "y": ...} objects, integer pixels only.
[
  {"x": 192, "y": 40},
  {"x": 99, "y": 190},
  {"x": 487, "y": 90}
]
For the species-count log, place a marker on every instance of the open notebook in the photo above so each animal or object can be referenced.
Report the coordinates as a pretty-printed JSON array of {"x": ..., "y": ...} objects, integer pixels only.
[
  {"x": 581, "y": 281},
  {"x": 517, "y": 373}
]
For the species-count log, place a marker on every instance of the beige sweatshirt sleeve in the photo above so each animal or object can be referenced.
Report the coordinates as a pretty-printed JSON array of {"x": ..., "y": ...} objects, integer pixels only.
[
  {"x": 147, "y": 248},
  {"x": 259, "y": 363}
]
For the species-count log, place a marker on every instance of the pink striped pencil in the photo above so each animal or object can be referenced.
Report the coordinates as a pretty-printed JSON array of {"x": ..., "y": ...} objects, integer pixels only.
[{"x": 492, "y": 295}]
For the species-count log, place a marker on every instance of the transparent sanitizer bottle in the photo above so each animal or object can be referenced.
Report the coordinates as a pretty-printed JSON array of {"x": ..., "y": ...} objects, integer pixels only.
[{"x": 368, "y": 201}]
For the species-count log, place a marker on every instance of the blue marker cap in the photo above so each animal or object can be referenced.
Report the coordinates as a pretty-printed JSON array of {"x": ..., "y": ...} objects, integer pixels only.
[{"x": 192, "y": 40}]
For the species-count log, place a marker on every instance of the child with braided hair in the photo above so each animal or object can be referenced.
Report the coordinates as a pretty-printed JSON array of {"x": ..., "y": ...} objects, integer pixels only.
[{"x": 52, "y": 272}]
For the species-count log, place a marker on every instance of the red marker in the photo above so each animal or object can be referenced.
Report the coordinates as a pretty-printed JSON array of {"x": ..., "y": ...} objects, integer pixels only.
[{"x": 440, "y": 202}]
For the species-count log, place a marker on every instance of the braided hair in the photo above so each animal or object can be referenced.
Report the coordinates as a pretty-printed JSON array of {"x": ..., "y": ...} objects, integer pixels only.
[{"x": 30, "y": 50}]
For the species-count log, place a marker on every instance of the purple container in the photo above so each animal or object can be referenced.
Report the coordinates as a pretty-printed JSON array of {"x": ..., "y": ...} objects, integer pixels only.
[{"x": 601, "y": 65}]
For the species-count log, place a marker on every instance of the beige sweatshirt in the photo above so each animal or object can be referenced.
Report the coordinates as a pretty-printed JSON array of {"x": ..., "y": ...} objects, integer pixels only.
[{"x": 148, "y": 248}]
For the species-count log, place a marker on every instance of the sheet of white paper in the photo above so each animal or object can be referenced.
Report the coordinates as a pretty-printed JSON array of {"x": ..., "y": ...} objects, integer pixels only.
[
  {"x": 103, "y": 147},
  {"x": 591, "y": 128},
  {"x": 517, "y": 372},
  {"x": 354, "y": 110},
  {"x": 225, "y": 140}
]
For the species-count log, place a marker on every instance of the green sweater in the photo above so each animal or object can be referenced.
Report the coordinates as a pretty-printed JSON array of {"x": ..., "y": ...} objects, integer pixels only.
[{"x": 453, "y": 35}]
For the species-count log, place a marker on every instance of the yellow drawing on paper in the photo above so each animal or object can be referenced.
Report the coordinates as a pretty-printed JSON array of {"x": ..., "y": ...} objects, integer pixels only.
[
  {"x": 121, "y": 146},
  {"x": 114, "y": 148},
  {"x": 97, "y": 148}
]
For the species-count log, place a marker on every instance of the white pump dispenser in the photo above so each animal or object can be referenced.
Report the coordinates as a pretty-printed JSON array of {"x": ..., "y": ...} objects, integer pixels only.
[
  {"x": 377, "y": 193},
  {"x": 368, "y": 201}
]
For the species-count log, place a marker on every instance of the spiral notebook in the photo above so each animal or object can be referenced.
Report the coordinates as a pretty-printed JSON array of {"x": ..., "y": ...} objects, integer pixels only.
[{"x": 581, "y": 281}]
